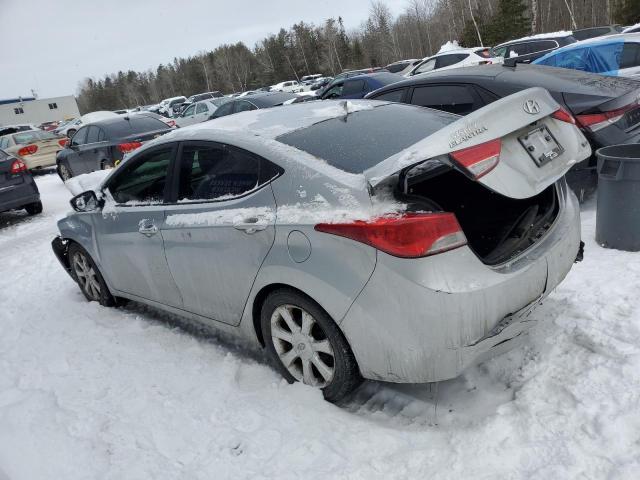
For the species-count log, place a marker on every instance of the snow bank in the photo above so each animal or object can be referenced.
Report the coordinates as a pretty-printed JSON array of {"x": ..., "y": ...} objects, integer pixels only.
[
  {"x": 87, "y": 181},
  {"x": 104, "y": 393}
]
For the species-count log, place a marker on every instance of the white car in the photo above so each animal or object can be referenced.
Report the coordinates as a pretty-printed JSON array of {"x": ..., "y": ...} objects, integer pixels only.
[
  {"x": 71, "y": 128},
  {"x": 166, "y": 105},
  {"x": 199, "y": 111},
  {"x": 453, "y": 58},
  {"x": 291, "y": 86}
]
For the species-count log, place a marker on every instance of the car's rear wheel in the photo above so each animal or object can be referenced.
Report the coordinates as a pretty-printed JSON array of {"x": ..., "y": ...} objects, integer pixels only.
[
  {"x": 64, "y": 172},
  {"x": 307, "y": 345},
  {"x": 104, "y": 164},
  {"x": 86, "y": 274},
  {"x": 34, "y": 208},
  {"x": 71, "y": 132}
]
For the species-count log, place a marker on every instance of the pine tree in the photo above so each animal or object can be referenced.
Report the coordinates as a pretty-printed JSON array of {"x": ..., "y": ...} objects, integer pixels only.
[{"x": 628, "y": 12}]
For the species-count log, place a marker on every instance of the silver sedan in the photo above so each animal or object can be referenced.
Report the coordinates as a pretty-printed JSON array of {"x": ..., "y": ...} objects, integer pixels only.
[{"x": 350, "y": 239}]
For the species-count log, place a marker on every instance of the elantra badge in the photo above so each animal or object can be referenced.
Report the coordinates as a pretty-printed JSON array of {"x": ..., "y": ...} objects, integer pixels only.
[{"x": 531, "y": 107}]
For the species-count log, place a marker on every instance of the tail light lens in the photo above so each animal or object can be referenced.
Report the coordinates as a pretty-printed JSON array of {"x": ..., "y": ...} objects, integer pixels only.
[
  {"x": 480, "y": 159},
  {"x": 28, "y": 150},
  {"x": 129, "y": 147},
  {"x": 598, "y": 121},
  {"x": 18, "y": 166},
  {"x": 63, "y": 142},
  {"x": 411, "y": 235},
  {"x": 564, "y": 116},
  {"x": 171, "y": 123}
]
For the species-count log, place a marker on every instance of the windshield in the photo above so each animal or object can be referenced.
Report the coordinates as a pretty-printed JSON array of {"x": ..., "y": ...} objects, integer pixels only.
[{"x": 360, "y": 140}]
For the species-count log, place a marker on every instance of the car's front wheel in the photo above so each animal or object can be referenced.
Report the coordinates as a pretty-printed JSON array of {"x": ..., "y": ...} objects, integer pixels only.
[
  {"x": 86, "y": 274},
  {"x": 307, "y": 345},
  {"x": 34, "y": 208}
]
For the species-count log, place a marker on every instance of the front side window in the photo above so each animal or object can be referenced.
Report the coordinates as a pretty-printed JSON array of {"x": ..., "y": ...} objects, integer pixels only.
[
  {"x": 334, "y": 92},
  {"x": 223, "y": 110},
  {"x": 353, "y": 87},
  {"x": 189, "y": 111},
  {"x": 216, "y": 172},
  {"x": 244, "y": 106},
  {"x": 143, "y": 179},
  {"x": 425, "y": 67},
  {"x": 392, "y": 96},
  {"x": 630, "y": 55},
  {"x": 201, "y": 108},
  {"x": 80, "y": 137}
]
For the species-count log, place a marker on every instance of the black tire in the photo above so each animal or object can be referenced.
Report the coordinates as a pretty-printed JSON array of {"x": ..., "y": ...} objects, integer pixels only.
[
  {"x": 346, "y": 375},
  {"x": 71, "y": 132},
  {"x": 34, "y": 208},
  {"x": 104, "y": 164},
  {"x": 64, "y": 172},
  {"x": 103, "y": 296}
]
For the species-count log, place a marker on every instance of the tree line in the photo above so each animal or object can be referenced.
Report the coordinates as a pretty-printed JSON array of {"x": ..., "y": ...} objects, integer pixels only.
[{"x": 329, "y": 48}]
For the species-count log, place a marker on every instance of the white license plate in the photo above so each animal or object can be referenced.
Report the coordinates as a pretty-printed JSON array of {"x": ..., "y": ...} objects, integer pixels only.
[{"x": 541, "y": 145}]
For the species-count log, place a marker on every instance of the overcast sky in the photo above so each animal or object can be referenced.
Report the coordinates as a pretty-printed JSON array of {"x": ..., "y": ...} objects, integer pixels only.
[{"x": 51, "y": 45}]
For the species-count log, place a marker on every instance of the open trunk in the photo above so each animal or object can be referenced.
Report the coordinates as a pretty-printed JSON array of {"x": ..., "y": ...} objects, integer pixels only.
[{"x": 497, "y": 227}]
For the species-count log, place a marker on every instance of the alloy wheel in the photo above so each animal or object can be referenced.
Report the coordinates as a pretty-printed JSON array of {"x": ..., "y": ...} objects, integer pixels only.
[
  {"x": 302, "y": 346},
  {"x": 86, "y": 275}
]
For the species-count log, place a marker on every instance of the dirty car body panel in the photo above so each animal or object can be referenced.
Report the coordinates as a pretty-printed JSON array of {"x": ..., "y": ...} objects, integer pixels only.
[{"x": 405, "y": 319}]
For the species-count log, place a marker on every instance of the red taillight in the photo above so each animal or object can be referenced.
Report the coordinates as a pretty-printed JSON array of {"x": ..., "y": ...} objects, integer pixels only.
[
  {"x": 129, "y": 147},
  {"x": 408, "y": 236},
  {"x": 564, "y": 116},
  {"x": 28, "y": 150},
  {"x": 597, "y": 121},
  {"x": 481, "y": 159},
  {"x": 18, "y": 166},
  {"x": 171, "y": 123},
  {"x": 63, "y": 142}
]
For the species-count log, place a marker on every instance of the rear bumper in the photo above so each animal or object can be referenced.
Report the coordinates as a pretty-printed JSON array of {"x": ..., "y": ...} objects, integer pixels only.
[
  {"x": 428, "y": 319},
  {"x": 40, "y": 161},
  {"x": 17, "y": 196}
]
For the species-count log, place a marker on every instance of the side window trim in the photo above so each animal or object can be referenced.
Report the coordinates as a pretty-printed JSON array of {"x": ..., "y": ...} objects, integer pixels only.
[
  {"x": 170, "y": 171},
  {"x": 175, "y": 174}
]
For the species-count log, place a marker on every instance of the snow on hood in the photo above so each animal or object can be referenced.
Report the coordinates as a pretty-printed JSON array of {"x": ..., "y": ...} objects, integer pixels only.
[{"x": 87, "y": 181}]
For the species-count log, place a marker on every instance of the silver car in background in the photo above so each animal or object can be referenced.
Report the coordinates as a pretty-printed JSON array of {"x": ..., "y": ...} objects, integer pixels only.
[{"x": 350, "y": 239}]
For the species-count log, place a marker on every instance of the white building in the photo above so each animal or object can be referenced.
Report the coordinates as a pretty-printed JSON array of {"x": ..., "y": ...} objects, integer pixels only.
[{"x": 28, "y": 110}]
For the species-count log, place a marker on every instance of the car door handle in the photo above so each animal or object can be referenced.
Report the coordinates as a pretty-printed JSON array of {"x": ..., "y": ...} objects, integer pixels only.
[
  {"x": 251, "y": 225},
  {"x": 147, "y": 228}
]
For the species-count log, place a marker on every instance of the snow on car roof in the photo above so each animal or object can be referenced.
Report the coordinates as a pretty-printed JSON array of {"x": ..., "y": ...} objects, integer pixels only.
[
  {"x": 632, "y": 27},
  {"x": 561, "y": 33}
]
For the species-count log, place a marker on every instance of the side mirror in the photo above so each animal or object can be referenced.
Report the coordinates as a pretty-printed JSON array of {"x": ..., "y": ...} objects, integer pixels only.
[{"x": 85, "y": 202}]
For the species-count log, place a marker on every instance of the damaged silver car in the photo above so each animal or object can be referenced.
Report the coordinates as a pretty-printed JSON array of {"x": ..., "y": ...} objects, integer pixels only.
[{"x": 351, "y": 240}]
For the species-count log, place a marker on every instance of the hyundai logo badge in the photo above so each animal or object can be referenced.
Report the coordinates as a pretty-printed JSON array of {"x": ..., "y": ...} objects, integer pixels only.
[{"x": 531, "y": 106}]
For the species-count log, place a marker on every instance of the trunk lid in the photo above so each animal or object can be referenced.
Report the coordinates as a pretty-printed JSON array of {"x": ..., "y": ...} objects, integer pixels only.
[{"x": 521, "y": 121}]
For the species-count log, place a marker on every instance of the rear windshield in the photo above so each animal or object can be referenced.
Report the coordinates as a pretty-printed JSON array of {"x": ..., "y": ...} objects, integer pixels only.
[
  {"x": 135, "y": 124},
  {"x": 32, "y": 136},
  {"x": 362, "y": 139}
]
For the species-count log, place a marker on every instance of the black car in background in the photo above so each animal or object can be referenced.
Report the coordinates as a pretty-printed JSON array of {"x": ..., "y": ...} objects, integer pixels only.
[
  {"x": 360, "y": 85},
  {"x": 528, "y": 49},
  {"x": 101, "y": 144},
  {"x": 17, "y": 188},
  {"x": 606, "y": 109},
  {"x": 252, "y": 102}
]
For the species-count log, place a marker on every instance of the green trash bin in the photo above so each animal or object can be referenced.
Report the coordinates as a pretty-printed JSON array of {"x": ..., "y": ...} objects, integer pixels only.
[{"x": 618, "y": 210}]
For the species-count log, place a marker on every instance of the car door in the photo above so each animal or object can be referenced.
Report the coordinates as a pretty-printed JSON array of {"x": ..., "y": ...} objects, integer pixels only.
[
  {"x": 202, "y": 112},
  {"x": 73, "y": 156},
  {"x": 128, "y": 235},
  {"x": 91, "y": 153},
  {"x": 219, "y": 228},
  {"x": 187, "y": 116},
  {"x": 453, "y": 98}
]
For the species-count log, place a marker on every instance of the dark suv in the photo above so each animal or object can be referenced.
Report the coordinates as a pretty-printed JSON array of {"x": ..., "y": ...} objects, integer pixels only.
[{"x": 529, "y": 49}]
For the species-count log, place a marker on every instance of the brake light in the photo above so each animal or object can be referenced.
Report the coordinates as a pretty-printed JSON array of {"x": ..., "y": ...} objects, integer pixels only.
[
  {"x": 63, "y": 142},
  {"x": 18, "y": 166},
  {"x": 480, "y": 159},
  {"x": 129, "y": 147},
  {"x": 411, "y": 235},
  {"x": 28, "y": 150},
  {"x": 598, "y": 121},
  {"x": 564, "y": 116},
  {"x": 171, "y": 123}
]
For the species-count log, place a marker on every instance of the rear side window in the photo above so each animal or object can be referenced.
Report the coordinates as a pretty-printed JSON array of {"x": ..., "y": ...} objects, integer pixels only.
[
  {"x": 519, "y": 49},
  {"x": 457, "y": 99},
  {"x": 134, "y": 124},
  {"x": 4, "y": 142},
  {"x": 392, "y": 96},
  {"x": 630, "y": 55},
  {"x": 144, "y": 179},
  {"x": 225, "y": 109},
  {"x": 352, "y": 87},
  {"x": 360, "y": 140},
  {"x": 542, "y": 45},
  {"x": 201, "y": 108},
  {"x": 242, "y": 106},
  {"x": 92, "y": 134},
  {"x": 447, "y": 60},
  {"x": 212, "y": 171}
]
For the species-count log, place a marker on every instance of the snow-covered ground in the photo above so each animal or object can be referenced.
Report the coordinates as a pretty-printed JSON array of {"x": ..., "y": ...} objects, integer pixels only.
[{"x": 88, "y": 392}]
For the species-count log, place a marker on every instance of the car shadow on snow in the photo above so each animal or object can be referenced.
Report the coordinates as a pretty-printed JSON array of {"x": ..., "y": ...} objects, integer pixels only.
[{"x": 14, "y": 217}]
